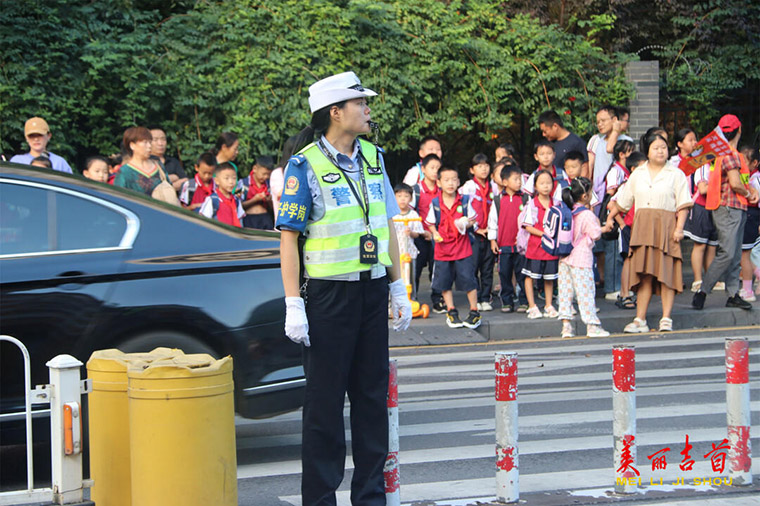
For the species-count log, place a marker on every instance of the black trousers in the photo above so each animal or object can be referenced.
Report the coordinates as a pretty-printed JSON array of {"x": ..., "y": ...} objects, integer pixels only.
[
  {"x": 425, "y": 257},
  {"x": 511, "y": 262},
  {"x": 348, "y": 329},
  {"x": 483, "y": 258}
]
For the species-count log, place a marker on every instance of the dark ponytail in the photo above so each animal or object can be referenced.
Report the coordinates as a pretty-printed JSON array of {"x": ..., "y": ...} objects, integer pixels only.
[
  {"x": 577, "y": 189},
  {"x": 320, "y": 122}
]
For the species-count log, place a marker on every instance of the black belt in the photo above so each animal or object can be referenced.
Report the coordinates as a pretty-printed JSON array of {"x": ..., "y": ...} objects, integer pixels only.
[{"x": 365, "y": 275}]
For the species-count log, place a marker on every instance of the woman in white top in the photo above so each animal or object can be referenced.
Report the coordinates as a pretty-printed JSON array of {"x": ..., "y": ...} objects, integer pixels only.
[{"x": 660, "y": 193}]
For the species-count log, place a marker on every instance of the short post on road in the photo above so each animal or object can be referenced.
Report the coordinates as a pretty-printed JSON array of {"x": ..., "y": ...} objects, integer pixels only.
[
  {"x": 624, "y": 418},
  {"x": 738, "y": 411},
  {"x": 507, "y": 468},
  {"x": 391, "y": 470}
]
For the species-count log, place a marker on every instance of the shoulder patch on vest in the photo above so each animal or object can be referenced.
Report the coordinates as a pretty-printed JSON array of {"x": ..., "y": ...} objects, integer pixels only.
[
  {"x": 331, "y": 177},
  {"x": 291, "y": 185}
]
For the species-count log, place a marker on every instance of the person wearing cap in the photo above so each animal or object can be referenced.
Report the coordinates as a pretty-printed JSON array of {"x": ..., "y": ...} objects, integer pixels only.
[
  {"x": 728, "y": 193},
  {"x": 38, "y": 135},
  {"x": 338, "y": 199}
]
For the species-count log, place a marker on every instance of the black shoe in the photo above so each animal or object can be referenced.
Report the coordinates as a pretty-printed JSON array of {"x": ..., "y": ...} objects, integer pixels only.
[
  {"x": 453, "y": 321},
  {"x": 736, "y": 301},
  {"x": 472, "y": 321},
  {"x": 439, "y": 307},
  {"x": 698, "y": 302}
]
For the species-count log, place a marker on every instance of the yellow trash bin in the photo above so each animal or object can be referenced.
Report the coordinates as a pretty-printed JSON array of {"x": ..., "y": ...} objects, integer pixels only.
[
  {"x": 182, "y": 432},
  {"x": 109, "y": 422}
]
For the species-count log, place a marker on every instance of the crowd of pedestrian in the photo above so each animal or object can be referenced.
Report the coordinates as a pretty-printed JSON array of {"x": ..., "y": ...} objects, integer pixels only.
[{"x": 492, "y": 225}]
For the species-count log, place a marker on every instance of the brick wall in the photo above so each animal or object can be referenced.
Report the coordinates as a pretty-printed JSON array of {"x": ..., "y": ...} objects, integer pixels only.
[{"x": 645, "y": 107}]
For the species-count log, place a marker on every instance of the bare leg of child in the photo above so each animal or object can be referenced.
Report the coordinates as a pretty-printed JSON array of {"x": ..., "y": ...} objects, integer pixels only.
[
  {"x": 448, "y": 298},
  {"x": 709, "y": 256},
  {"x": 625, "y": 290},
  {"x": 472, "y": 298},
  {"x": 746, "y": 275},
  {"x": 698, "y": 260},
  {"x": 529, "y": 291},
  {"x": 549, "y": 292}
]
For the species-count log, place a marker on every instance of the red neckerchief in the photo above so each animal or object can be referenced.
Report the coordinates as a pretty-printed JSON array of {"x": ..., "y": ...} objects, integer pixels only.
[
  {"x": 625, "y": 170},
  {"x": 254, "y": 188},
  {"x": 484, "y": 191},
  {"x": 231, "y": 203},
  {"x": 553, "y": 171},
  {"x": 208, "y": 188},
  {"x": 447, "y": 229}
]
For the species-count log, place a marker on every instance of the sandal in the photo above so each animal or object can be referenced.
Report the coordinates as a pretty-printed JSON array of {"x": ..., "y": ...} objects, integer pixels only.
[{"x": 625, "y": 303}]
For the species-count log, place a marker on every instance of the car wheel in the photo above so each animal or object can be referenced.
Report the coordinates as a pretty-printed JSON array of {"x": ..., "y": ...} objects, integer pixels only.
[{"x": 148, "y": 341}]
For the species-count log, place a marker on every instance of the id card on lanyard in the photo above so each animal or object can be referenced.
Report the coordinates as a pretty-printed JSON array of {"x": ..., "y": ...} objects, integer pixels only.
[{"x": 367, "y": 242}]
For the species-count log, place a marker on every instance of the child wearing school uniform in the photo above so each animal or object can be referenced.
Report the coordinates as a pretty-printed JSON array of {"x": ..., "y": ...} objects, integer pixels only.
[
  {"x": 699, "y": 228},
  {"x": 502, "y": 232},
  {"x": 223, "y": 205},
  {"x": 195, "y": 191},
  {"x": 480, "y": 192},
  {"x": 256, "y": 195},
  {"x": 576, "y": 275},
  {"x": 538, "y": 263},
  {"x": 543, "y": 152},
  {"x": 449, "y": 218},
  {"x": 750, "y": 227},
  {"x": 423, "y": 193}
]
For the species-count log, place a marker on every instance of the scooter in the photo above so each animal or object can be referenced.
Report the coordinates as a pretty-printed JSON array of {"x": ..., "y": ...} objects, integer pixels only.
[{"x": 418, "y": 310}]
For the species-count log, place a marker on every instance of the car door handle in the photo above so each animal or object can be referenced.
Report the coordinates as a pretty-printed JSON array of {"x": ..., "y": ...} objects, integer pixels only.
[
  {"x": 71, "y": 286},
  {"x": 70, "y": 274}
]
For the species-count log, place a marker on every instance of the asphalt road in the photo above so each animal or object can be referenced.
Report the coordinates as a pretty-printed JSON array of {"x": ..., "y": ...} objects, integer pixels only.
[{"x": 446, "y": 411}]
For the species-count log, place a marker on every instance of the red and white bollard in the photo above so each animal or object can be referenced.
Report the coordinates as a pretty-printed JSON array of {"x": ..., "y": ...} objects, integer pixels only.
[
  {"x": 391, "y": 469},
  {"x": 738, "y": 411},
  {"x": 507, "y": 469},
  {"x": 624, "y": 418}
]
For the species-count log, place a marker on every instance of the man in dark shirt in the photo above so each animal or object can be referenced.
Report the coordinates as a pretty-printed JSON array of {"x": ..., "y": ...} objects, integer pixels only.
[
  {"x": 177, "y": 174},
  {"x": 564, "y": 140}
]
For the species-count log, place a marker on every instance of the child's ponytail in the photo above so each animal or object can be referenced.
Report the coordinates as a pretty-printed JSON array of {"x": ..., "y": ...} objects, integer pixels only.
[{"x": 575, "y": 192}]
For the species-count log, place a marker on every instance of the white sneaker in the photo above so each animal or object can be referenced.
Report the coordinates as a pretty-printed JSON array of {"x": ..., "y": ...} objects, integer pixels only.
[
  {"x": 637, "y": 326},
  {"x": 695, "y": 286},
  {"x": 596, "y": 331},
  {"x": 567, "y": 330},
  {"x": 485, "y": 306},
  {"x": 479, "y": 306},
  {"x": 748, "y": 296},
  {"x": 534, "y": 313},
  {"x": 611, "y": 296},
  {"x": 720, "y": 286}
]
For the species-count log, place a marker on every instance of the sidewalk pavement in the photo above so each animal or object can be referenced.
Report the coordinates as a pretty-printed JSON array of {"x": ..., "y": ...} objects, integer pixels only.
[{"x": 498, "y": 326}]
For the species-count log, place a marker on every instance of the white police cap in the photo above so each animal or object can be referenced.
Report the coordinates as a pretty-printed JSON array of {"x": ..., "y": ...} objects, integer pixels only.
[{"x": 337, "y": 88}]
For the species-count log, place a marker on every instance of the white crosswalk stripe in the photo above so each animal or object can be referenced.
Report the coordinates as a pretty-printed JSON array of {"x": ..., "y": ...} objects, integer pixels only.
[{"x": 446, "y": 414}]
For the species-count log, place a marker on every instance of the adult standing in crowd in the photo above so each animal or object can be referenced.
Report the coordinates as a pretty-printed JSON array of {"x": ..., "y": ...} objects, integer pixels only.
[
  {"x": 338, "y": 196},
  {"x": 620, "y": 123},
  {"x": 226, "y": 149},
  {"x": 660, "y": 193},
  {"x": 429, "y": 145},
  {"x": 564, "y": 140},
  {"x": 728, "y": 193},
  {"x": 37, "y": 133},
  {"x": 599, "y": 159},
  {"x": 140, "y": 173},
  {"x": 173, "y": 167}
]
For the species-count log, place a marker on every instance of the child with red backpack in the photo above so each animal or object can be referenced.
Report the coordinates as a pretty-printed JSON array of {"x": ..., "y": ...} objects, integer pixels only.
[
  {"x": 576, "y": 273},
  {"x": 538, "y": 263}
]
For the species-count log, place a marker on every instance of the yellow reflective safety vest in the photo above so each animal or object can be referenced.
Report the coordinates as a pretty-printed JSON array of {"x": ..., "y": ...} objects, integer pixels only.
[{"x": 332, "y": 243}]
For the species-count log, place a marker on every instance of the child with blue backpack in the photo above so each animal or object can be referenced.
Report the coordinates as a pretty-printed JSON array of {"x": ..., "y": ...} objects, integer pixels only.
[
  {"x": 539, "y": 264},
  {"x": 576, "y": 275}
]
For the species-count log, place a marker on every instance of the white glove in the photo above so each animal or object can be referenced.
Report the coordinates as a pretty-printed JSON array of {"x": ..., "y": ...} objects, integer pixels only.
[
  {"x": 296, "y": 324},
  {"x": 401, "y": 307},
  {"x": 462, "y": 224}
]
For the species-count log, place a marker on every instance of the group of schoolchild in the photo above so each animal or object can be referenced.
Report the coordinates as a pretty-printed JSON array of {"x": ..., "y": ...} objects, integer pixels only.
[
  {"x": 215, "y": 189},
  {"x": 540, "y": 227}
]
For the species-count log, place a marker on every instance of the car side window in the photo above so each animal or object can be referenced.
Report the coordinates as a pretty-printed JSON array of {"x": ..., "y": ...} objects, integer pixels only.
[{"x": 37, "y": 220}]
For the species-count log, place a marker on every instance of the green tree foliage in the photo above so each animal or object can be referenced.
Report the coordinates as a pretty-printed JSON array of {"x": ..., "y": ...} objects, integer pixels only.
[{"x": 459, "y": 69}]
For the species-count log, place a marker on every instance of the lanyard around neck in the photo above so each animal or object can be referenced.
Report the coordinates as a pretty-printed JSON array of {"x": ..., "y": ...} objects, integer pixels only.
[{"x": 363, "y": 203}]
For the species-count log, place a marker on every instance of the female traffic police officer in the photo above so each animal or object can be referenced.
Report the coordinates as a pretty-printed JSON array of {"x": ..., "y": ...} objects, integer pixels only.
[{"x": 338, "y": 196}]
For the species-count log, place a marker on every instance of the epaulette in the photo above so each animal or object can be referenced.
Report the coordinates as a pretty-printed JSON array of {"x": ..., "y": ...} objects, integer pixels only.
[{"x": 296, "y": 161}]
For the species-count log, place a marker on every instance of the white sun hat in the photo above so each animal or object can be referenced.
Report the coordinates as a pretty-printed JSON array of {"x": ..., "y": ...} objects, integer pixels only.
[{"x": 337, "y": 88}]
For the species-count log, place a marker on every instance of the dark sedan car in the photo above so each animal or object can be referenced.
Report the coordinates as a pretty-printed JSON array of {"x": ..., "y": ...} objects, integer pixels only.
[{"x": 86, "y": 266}]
